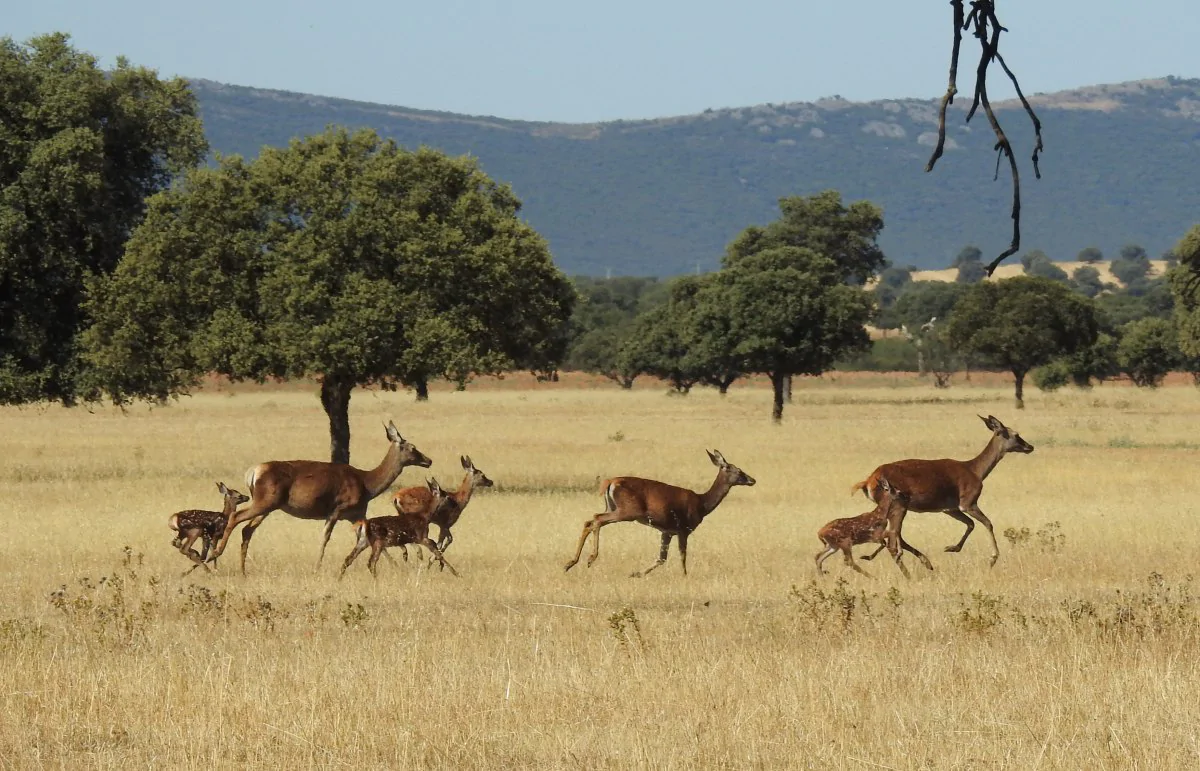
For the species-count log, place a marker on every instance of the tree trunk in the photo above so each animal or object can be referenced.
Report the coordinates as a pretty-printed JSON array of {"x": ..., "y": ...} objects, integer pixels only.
[
  {"x": 779, "y": 386},
  {"x": 1020, "y": 376},
  {"x": 722, "y": 388},
  {"x": 422, "y": 389},
  {"x": 787, "y": 388},
  {"x": 335, "y": 398},
  {"x": 626, "y": 383}
]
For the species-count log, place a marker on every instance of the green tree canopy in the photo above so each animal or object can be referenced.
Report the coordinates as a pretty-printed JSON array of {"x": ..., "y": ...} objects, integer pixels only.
[
  {"x": 847, "y": 235},
  {"x": 661, "y": 339},
  {"x": 1148, "y": 351},
  {"x": 1090, "y": 255},
  {"x": 603, "y": 320},
  {"x": 80, "y": 151},
  {"x": 924, "y": 301},
  {"x": 1021, "y": 323},
  {"x": 341, "y": 257},
  {"x": 791, "y": 313},
  {"x": 1185, "y": 286}
]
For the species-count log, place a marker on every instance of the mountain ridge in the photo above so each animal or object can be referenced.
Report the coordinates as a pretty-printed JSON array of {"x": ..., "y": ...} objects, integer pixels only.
[{"x": 662, "y": 196}]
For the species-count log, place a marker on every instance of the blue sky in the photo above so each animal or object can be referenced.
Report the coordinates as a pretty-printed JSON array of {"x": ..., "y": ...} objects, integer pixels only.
[{"x": 570, "y": 61}]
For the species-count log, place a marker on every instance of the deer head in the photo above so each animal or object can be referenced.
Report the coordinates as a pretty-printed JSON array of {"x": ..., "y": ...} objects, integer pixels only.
[
  {"x": 478, "y": 478},
  {"x": 729, "y": 472},
  {"x": 409, "y": 454},
  {"x": 1012, "y": 441},
  {"x": 238, "y": 498},
  {"x": 895, "y": 494}
]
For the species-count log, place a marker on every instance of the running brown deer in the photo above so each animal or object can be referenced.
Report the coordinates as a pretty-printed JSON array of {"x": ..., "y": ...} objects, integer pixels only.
[
  {"x": 402, "y": 529},
  {"x": 311, "y": 489},
  {"x": 946, "y": 485},
  {"x": 673, "y": 511},
  {"x": 206, "y": 525},
  {"x": 870, "y": 527},
  {"x": 412, "y": 500}
]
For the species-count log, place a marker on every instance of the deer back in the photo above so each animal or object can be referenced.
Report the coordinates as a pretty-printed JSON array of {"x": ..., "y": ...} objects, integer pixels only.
[
  {"x": 308, "y": 489},
  {"x": 934, "y": 485},
  {"x": 658, "y": 503}
]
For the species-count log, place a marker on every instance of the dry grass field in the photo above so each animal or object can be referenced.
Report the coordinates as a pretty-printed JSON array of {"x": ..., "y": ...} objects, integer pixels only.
[{"x": 1078, "y": 650}]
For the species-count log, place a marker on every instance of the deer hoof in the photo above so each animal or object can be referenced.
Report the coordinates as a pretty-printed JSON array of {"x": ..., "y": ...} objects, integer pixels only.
[{"x": 954, "y": 549}]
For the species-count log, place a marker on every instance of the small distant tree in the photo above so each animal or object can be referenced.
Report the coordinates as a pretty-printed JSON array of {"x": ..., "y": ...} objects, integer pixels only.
[
  {"x": 926, "y": 301},
  {"x": 1022, "y": 323},
  {"x": 968, "y": 254},
  {"x": 792, "y": 314},
  {"x": 661, "y": 340},
  {"x": 1090, "y": 255},
  {"x": 970, "y": 273},
  {"x": 1132, "y": 265},
  {"x": 600, "y": 351},
  {"x": 1038, "y": 263},
  {"x": 847, "y": 235},
  {"x": 969, "y": 263},
  {"x": 1086, "y": 281},
  {"x": 1148, "y": 351}
]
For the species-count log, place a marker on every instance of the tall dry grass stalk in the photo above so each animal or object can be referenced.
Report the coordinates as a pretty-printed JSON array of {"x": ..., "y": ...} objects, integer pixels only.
[{"x": 1078, "y": 650}]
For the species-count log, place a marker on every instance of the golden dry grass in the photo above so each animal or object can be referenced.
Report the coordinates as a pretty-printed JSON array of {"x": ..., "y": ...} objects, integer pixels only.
[{"x": 1068, "y": 654}]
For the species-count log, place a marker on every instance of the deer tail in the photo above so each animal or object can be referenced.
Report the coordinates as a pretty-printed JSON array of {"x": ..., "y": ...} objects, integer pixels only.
[
  {"x": 173, "y": 522},
  {"x": 610, "y": 502},
  {"x": 251, "y": 477},
  {"x": 861, "y": 486}
]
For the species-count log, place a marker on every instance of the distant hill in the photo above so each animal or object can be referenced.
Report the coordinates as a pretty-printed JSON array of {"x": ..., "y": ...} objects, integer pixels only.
[{"x": 662, "y": 197}]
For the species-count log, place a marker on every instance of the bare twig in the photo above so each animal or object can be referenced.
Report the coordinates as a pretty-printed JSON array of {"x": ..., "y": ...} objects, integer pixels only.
[
  {"x": 952, "y": 87},
  {"x": 986, "y": 28}
]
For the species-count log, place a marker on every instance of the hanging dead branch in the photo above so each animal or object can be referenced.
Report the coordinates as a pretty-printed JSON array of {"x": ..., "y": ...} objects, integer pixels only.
[{"x": 986, "y": 28}]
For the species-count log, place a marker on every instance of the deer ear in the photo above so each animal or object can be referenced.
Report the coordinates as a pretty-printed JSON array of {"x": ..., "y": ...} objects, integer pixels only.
[
  {"x": 466, "y": 462},
  {"x": 221, "y": 486},
  {"x": 884, "y": 485},
  {"x": 718, "y": 458}
]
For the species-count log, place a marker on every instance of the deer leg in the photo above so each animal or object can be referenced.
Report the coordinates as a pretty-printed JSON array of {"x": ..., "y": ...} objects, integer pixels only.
[
  {"x": 247, "y": 514},
  {"x": 683, "y": 551},
  {"x": 850, "y": 561},
  {"x": 874, "y": 554},
  {"x": 329, "y": 524},
  {"x": 247, "y": 534},
  {"x": 376, "y": 550},
  {"x": 904, "y": 545},
  {"x": 963, "y": 518},
  {"x": 823, "y": 555},
  {"x": 437, "y": 555},
  {"x": 974, "y": 511},
  {"x": 444, "y": 540},
  {"x": 353, "y": 555},
  {"x": 185, "y": 548},
  {"x": 662, "y": 556},
  {"x": 587, "y": 529},
  {"x": 392, "y": 559}
]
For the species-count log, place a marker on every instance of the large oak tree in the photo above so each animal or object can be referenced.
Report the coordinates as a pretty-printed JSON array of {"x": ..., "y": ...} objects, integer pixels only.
[{"x": 341, "y": 257}]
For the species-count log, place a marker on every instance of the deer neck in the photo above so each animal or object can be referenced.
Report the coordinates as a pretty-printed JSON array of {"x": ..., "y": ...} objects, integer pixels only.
[
  {"x": 381, "y": 477},
  {"x": 983, "y": 463},
  {"x": 462, "y": 495},
  {"x": 711, "y": 498}
]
